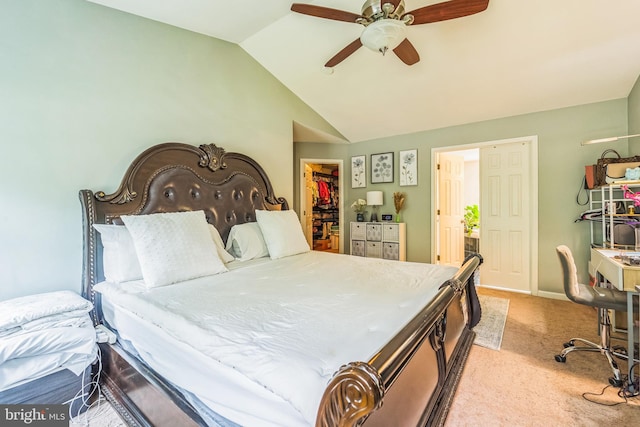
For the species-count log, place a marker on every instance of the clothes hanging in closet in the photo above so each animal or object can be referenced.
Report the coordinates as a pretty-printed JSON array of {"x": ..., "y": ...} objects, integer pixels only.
[{"x": 324, "y": 195}]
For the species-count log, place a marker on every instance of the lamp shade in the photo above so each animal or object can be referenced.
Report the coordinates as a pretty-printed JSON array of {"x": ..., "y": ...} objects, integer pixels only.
[
  {"x": 374, "y": 198},
  {"x": 384, "y": 34}
]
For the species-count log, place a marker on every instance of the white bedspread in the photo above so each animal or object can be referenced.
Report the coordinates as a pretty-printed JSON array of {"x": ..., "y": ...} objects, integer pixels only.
[
  {"x": 33, "y": 312},
  {"x": 47, "y": 341},
  {"x": 289, "y": 324},
  {"x": 43, "y": 333},
  {"x": 29, "y": 356}
]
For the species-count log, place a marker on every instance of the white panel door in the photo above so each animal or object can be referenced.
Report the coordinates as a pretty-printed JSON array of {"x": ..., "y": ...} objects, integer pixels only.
[
  {"x": 451, "y": 209},
  {"x": 504, "y": 224}
]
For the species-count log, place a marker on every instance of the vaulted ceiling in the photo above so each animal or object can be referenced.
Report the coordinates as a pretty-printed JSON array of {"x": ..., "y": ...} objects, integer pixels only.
[{"x": 516, "y": 57}]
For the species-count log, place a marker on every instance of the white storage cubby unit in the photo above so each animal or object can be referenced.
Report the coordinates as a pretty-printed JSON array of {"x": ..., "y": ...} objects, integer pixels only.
[
  {"x": 614, "y": 208},
  {"x": 385, "y": 240}
]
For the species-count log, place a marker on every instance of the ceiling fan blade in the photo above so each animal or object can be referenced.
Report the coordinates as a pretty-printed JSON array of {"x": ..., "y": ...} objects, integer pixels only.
[
  {"x": 324, "y": 12},
  {"x": 344, "y": 53},
  {"x": 448, "y": 10},
  {"x": 407, "y": 53}
]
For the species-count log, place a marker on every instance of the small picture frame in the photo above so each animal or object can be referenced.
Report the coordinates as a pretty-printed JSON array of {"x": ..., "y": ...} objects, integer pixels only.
[
  {"x": 358, "y": 172},
  {"x": 387, "y": 217},
  {"x": 381, "y": 168},
  {"x": 408, "y": 166}
]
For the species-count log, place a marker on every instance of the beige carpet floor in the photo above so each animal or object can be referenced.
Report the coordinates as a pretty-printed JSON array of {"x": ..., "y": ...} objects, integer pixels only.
[{"x": 522, "y": 384}]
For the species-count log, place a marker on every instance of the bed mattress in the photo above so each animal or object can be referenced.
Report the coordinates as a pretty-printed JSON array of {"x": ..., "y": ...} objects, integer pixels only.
[{"x": 259, "y": 343}]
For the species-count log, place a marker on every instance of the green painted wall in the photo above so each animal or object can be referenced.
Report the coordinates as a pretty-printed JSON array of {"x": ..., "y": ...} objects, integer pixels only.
[
  {"x": 561, "y": 162},
  {"x": 84, "y": 90},
  {"x": 634, "y": 117}
]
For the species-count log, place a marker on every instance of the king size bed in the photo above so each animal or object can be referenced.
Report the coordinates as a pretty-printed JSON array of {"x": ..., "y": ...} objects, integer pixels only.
[{"x": 225, "y": 317}]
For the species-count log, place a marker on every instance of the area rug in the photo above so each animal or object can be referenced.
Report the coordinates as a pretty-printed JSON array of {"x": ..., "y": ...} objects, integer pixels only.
[{"x": 491, "y": 327}]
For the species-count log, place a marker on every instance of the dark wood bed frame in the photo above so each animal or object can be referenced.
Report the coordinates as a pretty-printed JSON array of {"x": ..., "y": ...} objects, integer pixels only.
[{"x": 410, "y": 382}]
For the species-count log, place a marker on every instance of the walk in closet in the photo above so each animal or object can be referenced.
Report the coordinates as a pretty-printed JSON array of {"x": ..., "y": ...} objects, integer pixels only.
[{"x": 326, "y": 213}]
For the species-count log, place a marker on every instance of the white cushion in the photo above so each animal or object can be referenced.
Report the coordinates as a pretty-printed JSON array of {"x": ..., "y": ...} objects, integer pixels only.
[
  {"x": 217, "y": 239},
  {"x": 282, "y": 233},
  {"x": 119, "y": 258},
  {"x": 245, "y": 242},
  {"x": 173, "y": 247}
]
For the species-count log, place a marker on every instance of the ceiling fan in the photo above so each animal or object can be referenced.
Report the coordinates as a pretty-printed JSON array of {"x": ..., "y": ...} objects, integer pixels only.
[{"x": 385, "y": 24}]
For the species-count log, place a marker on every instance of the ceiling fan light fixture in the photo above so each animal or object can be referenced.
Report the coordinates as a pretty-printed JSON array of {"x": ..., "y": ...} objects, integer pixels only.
[{"x": 383, "y": 35}]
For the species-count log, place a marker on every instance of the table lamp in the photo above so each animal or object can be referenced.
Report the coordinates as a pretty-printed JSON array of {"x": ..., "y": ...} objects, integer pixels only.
[{"x": 374, "y": 199}]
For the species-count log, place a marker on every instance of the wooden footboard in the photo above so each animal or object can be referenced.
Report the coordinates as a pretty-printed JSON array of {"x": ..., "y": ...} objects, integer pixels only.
[{"x": 416, "y": 373}]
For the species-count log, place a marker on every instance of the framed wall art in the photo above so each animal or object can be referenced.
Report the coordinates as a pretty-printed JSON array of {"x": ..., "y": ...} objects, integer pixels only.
[
  {"x": 381, "y": 168},
  {"x": 408, "y": 167},
  {"x": 358, "y": 172}
]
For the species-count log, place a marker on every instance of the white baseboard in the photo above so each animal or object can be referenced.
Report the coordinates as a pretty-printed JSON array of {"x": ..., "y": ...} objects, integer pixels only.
[
  {"x": 553, "y": 295},
  {"x": 542, "y": 294},
  {"x": 498, "y": 288}
]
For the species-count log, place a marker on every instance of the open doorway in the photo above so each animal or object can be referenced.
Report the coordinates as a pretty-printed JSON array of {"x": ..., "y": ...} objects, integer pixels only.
[
  {"x": 321, "y": 203},
  {"x": 458, "y": 203},
  {"x": 505, "y": 181}
]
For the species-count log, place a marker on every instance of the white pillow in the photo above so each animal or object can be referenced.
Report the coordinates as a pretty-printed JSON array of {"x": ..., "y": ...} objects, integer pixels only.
[
  {"x": 217, "y": 239},
  {"x": 173, "y": 247},
  {"x": 119, "y": 258},
  {"x": 282, "y": 233},
  {"x": 245, "y": 242}
]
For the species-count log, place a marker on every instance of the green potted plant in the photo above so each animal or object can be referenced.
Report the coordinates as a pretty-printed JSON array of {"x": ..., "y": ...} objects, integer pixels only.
[{"x": 471, "y": 218}]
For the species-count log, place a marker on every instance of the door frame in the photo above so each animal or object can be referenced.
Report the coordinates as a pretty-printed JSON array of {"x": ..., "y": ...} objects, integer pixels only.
[
  {"x": 302, "y": 197},
  {"x": 533, "y": 194}
]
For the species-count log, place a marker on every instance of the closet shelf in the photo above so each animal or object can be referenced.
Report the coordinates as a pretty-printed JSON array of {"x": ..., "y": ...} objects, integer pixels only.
[{"x": 325, "y": 175}]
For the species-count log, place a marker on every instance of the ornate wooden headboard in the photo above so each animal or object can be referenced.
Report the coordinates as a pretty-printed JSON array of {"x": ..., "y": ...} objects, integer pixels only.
[{"x": 175, "y": 177}]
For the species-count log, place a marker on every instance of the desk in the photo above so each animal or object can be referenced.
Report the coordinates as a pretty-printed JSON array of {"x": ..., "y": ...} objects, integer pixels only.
[{"x": 623, "y": 277}]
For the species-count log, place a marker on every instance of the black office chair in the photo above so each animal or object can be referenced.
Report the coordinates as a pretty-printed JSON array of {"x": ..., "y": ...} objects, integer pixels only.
[{"x": 604, "y": 299}]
